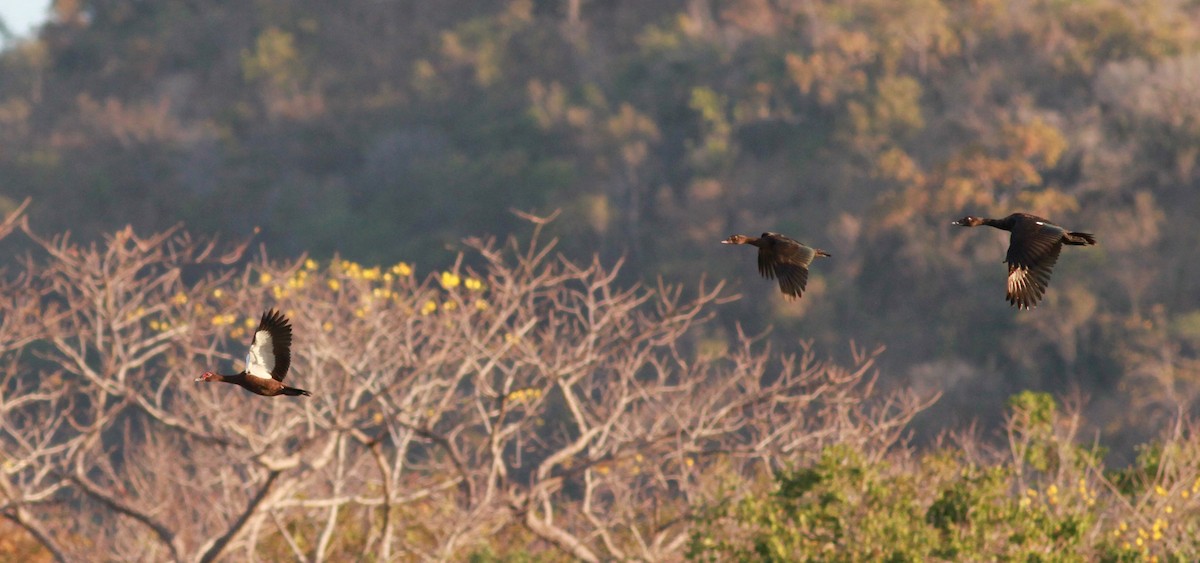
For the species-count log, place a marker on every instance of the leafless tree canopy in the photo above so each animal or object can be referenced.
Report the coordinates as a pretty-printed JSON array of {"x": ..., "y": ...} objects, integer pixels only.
[{"x": 529, "y": 395}]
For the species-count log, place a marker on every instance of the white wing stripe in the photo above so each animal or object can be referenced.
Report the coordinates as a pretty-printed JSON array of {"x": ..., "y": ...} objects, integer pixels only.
[{"x": 260, "y": 360}]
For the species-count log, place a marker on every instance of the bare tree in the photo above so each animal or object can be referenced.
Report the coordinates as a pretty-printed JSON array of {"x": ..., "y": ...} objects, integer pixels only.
[{"x": 524, "y": 393}]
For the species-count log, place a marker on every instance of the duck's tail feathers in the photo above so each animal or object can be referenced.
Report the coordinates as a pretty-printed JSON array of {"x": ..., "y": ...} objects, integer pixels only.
[
  {"x": 292, "y": 391},
  {"x": 1080, "y": 239}
]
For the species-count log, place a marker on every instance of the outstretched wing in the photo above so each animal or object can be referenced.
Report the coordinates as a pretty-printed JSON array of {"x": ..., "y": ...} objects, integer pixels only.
[
  {"x": 793, "y": 279},
  {"x": 270, "y": 349},
  {"x": 788, "y": 261},
  {"x": 1032, "y": 252}
]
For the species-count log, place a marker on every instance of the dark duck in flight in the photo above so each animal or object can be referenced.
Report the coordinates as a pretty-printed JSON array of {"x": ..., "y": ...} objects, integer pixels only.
[
  {"x": 267, "y": 361},
  {"x": 1033, "y": 250},
  {"x": 783, "y": 258}
]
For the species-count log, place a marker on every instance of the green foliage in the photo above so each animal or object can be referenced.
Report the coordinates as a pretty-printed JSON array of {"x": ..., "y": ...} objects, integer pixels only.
[
  {"x": 845, "y": 509},
  {"x": 841, "y": 507},
  {"x": 274, "y": 59},
  {"x": 941, "y": 505},
  {"x": 1033, "y": 416}
]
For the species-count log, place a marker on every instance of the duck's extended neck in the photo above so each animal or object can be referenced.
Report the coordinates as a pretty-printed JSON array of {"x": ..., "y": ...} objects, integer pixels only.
[
  {"x": 1005, "y": 224},
  {"x": 235, "y": 378}
]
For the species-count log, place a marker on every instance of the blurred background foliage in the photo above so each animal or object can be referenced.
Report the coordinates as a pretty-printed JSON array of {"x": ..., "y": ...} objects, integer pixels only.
[{"x": 388, "y": 131}]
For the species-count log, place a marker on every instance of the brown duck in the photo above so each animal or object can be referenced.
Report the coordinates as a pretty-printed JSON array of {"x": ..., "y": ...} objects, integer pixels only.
[
  {"x": 783, "y": 258},
  {"x": 1033, "y": 249},
  {"x": 267, "y": 361}
]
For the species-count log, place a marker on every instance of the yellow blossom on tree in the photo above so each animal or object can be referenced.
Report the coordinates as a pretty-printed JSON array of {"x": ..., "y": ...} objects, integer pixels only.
[
  {"x": 473, "y": 284},
  {"x": 334, "y": 284},
  {"x": 429, "y": 307},
  {"x": 450, "y": 280},
  {"x": 310, "y": 264},
  {"x": 402, "y": 269},
  {"x": 264, "y": 278},
  {"x": 180, "y": 298}
]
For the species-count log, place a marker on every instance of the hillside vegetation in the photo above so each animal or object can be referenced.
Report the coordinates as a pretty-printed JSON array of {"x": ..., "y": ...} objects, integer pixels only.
[
  {"x": 391, "y": 130},
  {"x": 404, "y": 133},
  {"x": 530, "y": 408}
]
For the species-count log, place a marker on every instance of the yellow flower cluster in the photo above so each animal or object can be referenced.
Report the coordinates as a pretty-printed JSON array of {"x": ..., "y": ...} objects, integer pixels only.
[
  {"x": 524, "y": 395},
  {"x": 180, "y": 298},
  {"x": 1088, "y": 495},
  {"x": 451, "y": 280},
  {"x": 356, "y": 271},
  {"x": 159, "y": 326},
  {"x": 1054, "y": 496},
  {"x": 225, "y": 319},
  {"x": 298, "y": 280},
  {"x": 1143, "y": 539},
  {"x": 429, "y": 307}
]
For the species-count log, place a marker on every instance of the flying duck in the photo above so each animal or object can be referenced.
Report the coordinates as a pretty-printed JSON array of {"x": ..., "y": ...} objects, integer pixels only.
[
  {"x": 783, "y": 258},
  {"x": 1033, "y": 250},
  {"x": 267, "y": 361}
]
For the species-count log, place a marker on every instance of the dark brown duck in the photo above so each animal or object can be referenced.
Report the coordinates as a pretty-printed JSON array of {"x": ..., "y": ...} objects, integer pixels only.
[
  {"x": 1033, "y": 249},
  {"x": 783, "y": 258},
  {"x": 267, "y": 361}
]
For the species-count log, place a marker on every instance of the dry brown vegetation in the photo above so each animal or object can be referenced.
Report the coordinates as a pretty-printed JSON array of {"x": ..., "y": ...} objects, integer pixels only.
[
  {"x": 528, "y": 393},
  {"x": 386, "y": 131}
]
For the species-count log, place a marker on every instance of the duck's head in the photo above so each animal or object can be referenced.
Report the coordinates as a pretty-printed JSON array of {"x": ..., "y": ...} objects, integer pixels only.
[
  {"x": 207, "y": 376},
  {"x": 969, "y": 221},
  {"x": 736, "y": 239}
]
